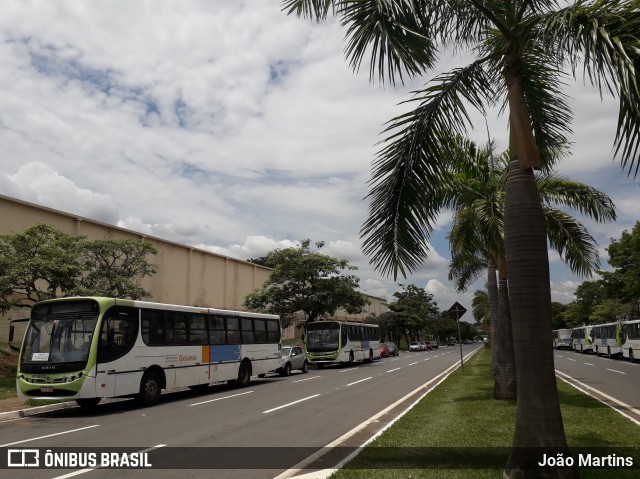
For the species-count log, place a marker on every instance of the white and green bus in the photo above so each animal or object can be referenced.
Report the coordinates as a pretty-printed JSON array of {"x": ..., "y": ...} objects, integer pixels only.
[
  {"x": 606, "y": 338},
  {"x": 631, "y": 339},
  {"x": 89, "y": 348},
  {"x": 581, "y": 339},
  {"x": 339, "y": 342},
  {"x": 562, "y": 339}
]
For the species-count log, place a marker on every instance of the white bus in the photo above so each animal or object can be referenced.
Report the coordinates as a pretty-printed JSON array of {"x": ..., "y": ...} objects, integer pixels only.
[
  {"x": 631, "y": 339},
  {"x": 581, "y": 339},
  {"x": 335, "y": 342},
  {"x": 562, "y": 338},
  {"x": 606, "y": 338},
  {"x": 91, "y": 348}
]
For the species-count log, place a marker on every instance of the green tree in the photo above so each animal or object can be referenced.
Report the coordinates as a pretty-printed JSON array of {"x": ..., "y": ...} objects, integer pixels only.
[
  {"x": 113, "y": 267},
  {"x": 307, "y": 281},
  {"x": 521, "y": 51},
  {"x": 413, "y": 308},
  {"x": 623, "y": 282},
  {"x": 38, "y": 263},
  {"x": 42, "y": 262},
  {"x": 481, "y": 308}
]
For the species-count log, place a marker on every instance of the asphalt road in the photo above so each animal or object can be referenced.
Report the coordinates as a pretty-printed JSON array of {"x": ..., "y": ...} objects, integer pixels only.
[
  {"x": 614, "y": 381},
  {"x": 279, "y": 421}
]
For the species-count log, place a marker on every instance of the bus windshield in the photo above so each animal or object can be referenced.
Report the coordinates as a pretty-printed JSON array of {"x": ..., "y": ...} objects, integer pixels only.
[
  {"x": 323, "y": 336},
  {"x": 60, "y": 333}
]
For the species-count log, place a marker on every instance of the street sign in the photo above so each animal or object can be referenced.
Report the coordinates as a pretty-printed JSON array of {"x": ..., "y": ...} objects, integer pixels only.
[{"x": 457, "y": 310}]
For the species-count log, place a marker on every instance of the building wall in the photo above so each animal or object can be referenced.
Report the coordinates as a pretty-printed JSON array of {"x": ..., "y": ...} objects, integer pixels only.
[{"x": 186, "y": 275}]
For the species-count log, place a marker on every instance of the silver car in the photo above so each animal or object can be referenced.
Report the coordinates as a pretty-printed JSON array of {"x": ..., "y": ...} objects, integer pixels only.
[
  {"x": 415, "y": 346},
  {"x": 293, "y": 357}
]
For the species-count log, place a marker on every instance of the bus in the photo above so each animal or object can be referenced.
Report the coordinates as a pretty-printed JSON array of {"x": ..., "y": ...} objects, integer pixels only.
[
  {"x": 89, "y": 348},
  {"x": 631, "y": 339},
  {"x": 339, "y": 342},
  {"x": 581, "y": 339},
  {"x": 562, "y": 338},
  {"x": 606, "y": 338}
]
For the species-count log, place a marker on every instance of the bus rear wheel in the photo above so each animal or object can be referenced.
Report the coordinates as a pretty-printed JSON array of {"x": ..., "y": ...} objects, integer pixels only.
[
  {"x": 88, "y": 403},
  {"x": 244, "y": 375},
  {"x": 150, "y": 389},
  {"x": 631, "y": 358}
]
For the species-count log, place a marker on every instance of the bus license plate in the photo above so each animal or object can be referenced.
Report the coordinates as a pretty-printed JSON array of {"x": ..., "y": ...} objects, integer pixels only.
[{"x": 46, "y": 390}]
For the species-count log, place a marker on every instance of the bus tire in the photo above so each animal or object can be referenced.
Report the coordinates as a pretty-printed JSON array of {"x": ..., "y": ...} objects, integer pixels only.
[
  {"x": 631, "y": 358},
  {"x": 351, "y": 358},
  {"x": 319, "y": 365},
  {"x": 88, "y": 403},
  {"x": 150, "y": 389},
  {"x": 305, "y": 367},
  {"x": 609, "y": 352},
  {"x": 244, "y": 374}
]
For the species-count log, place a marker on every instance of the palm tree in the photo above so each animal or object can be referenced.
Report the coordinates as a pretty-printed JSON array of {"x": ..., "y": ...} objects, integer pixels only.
[
  {"x": 521, "y": 51},
  {"x": 476, "y": 187},
  {"x": 480, "y": 308}
]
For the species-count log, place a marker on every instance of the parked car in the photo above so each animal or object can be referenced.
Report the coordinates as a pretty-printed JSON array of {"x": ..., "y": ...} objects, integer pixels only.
[
  {"x": 293, "y": 357},
  {"x": 415, "y": 346},
  {"x": 427, "y": 346},
  {"x": 434, "y": 344},
  {"x": 393, "y": 349},
  {"x": 384, "y": 350}
]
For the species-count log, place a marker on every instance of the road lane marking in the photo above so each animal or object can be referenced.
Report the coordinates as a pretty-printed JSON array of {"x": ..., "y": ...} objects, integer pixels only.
[
  {"x": 569, "y": 359},
  {"x": 220, "y": 399},
  {"x": 49, "y": 435},
  {"x": 290, "y": 404},
  {"x": 589, "y": 364},
  {"x": 306, "y": 379},
  {"x": 392, "y": 370},
  {"x": 411, "y": 364},
  {"x": 615, "y": 371},
  {"x": 361, "y": 380},
  {"x": 84, "y": 471}
]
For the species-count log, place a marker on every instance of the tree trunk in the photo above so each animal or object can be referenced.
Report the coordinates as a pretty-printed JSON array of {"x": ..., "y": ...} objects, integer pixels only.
[
  {"x": 492, "y": 292},
  {"x": 538, "y": 418},
  {"x": 505, "y": 386}
]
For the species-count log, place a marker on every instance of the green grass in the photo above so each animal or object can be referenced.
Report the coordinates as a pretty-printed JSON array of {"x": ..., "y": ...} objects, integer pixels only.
[
  {"x": 8, "y": 362},
  {"x": 461, "y": 413}
]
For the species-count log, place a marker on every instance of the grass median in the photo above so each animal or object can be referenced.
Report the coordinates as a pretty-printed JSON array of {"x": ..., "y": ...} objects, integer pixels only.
[{"x": 458, "y": 431}]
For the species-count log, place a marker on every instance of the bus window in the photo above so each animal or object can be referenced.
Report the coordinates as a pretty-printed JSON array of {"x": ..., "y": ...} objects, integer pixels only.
[
  {"x": 273, "y": 331},
  {"x": 216, "y": 330},
  {"x": 118, "y": 333},
  {"x": 247, "y": 331},
  {"x": 197, "y": 329},
  {"x": 260, "y": 329},
  {"x": 152, "y": 327},
  {"x": 233, "y": 330}
]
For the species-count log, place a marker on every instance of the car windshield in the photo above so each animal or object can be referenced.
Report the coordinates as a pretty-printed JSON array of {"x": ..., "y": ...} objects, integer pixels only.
[{"x": 286, "y": 351}]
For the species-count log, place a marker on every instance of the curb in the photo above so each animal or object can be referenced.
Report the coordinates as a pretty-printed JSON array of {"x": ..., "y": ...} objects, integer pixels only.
[{"x": 28, "y": 411}]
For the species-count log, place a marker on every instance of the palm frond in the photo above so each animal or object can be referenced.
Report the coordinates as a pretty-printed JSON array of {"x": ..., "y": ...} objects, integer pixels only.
[
  {"x": 577, "y": 196},
  {"x": 406, "y": 188},
  {"x": 309, "y": 9},
  {"x": 465, "y": 269},
  {"x": 572, "y": 241},
  {"x": 605, "y": 38}
]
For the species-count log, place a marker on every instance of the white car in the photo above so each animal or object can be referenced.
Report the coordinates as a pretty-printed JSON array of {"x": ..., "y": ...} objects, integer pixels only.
[
  {"x": 415, "y": 346},
  {"x": 293, "y": 357}
]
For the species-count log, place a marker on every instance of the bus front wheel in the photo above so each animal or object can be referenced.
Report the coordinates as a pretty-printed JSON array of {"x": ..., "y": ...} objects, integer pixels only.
[
  {"x": 150, "y": 389},
  {"x": 88, "y": 403}
]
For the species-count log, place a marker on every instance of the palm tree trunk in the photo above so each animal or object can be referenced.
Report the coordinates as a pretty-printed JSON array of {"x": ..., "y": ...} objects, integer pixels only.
[
  {"x": 538, "y": 418},
  {"x": 492, "y": 292},
  {"x": 505, "y": 386}
]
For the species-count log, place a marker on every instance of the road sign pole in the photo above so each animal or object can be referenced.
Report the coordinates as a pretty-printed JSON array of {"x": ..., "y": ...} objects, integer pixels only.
[{"x": 460, "y": 341}]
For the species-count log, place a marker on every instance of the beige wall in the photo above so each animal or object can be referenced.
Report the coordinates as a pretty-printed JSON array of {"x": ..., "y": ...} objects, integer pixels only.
[{"x": 186, "y": 275}]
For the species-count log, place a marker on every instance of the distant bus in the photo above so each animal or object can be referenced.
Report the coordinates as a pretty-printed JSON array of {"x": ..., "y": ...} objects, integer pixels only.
[
  {"x": 335, "y": 342},
  {"x": 631, "y": 339},
  {"x": 88, "y": 348},
  {"x": 581, "y": 339},
  {"x": 562, "y": 339},
  {"x": 606, "y": 338}
]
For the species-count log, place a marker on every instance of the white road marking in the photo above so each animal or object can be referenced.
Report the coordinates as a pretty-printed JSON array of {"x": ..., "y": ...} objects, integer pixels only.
[
  {"x": 49, "y": 435},
  {"x": 392, "y": 370},
  {"x": 290, "y": 404},
  {"x": 365, "y": 379},
  {"x": 614, "y": 371},
  {"x": 306, "y": 379},
  {"x": 589, "y": 364},
  {"x": 220, "y": 399}
]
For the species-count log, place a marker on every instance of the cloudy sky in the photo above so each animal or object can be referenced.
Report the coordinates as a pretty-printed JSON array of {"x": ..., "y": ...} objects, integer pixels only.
[{"x": 228, "y": 126}]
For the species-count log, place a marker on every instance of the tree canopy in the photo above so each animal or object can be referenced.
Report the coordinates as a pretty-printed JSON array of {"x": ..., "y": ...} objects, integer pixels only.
[
  {"x": 43, "y": 262},
  {"x": 307, "y": 281}
]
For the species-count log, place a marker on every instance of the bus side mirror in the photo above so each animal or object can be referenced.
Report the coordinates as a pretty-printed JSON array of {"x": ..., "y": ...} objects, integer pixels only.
[{"x": 12, "y": 330}]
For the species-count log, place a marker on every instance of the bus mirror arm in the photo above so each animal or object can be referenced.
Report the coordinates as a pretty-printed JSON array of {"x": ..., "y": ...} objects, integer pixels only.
[{"x": 12, "y": 330}]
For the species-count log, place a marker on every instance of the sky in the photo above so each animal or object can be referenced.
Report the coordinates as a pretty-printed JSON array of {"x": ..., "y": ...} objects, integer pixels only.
[{"x": 232, "y": 127}]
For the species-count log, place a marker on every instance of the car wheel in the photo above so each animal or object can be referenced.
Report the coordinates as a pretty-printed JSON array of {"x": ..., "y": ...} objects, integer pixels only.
[
  {"x": 150, "y": 389},
  {"x": 286, "y": 370},
  {"x": 305, "y": 367}
]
